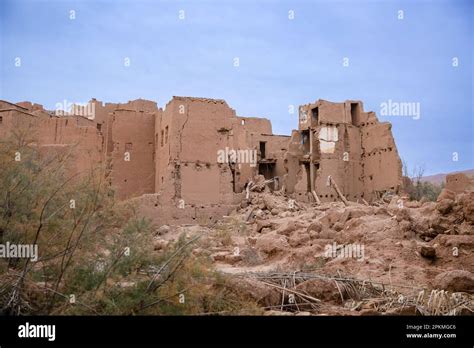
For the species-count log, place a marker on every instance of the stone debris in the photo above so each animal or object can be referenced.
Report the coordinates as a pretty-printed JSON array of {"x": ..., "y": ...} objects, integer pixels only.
[
  {"x": 455, "y": 281},
  {"x": 407, "y": 249}
]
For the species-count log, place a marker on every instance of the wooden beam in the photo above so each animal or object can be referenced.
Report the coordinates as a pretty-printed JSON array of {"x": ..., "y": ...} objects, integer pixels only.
[
  {"x": 311, "y": 158},
  {"x": 316, "y": 198},
  {"x": 339, "y": 193}
]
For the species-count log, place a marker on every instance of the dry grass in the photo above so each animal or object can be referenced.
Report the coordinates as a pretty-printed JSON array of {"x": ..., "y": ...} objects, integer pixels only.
[{"x": 383, "y": 298}]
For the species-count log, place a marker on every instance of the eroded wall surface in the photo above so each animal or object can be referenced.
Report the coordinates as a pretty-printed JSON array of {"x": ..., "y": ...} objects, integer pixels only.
[
  {"x": 459, "y": 182},
  {"x": 192, "y": 159},
  {"x": 342, "y": 141},
  {"x": 192, "y": 134},
  {"x": 75, "y": 137},
  {"x": 132, "y": 169}
]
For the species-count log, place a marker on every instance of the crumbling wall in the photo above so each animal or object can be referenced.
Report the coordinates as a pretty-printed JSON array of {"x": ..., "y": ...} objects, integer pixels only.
[
  {"x": 75, "y": 137},
  {"x": 81, "y": 139},
  {"x": 16, "y": 122},
  {"x": 382, "y": 165},
  {"x": 132, "y": 168},
  {"x": 342, "y": 141},
  {"x": 292, "y": 164},
  {"x": 243, "y": 137},
  {"x": 459, "y": 182},
  {"x": 352, "y": 180},
  {"x": 160, "y": 211},
  {"x": 332, "y": 113},
  {"x": 271, "y": 163},
  {"x": 256, "y": 125},
  {"x": 174, "y": 152},
  {"x": 197, "y": 129},
  {"x": 164, "y": 168}
]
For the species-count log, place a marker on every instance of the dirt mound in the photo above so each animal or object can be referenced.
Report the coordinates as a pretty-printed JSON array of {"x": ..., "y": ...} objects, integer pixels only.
[{"x": 357, "y": 258}]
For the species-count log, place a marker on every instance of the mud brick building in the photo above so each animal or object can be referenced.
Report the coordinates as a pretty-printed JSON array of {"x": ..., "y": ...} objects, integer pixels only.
[
  {"x": 342, "y": 141},
  {"x": 169, "y": 160}
]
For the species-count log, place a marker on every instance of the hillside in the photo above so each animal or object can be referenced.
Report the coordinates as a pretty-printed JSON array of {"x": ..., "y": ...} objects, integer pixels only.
[{"x": 439, "y": 178}]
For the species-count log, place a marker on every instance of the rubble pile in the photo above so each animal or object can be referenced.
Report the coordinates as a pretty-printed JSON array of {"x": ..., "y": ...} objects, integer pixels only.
[{"x": 384, "y": 258}]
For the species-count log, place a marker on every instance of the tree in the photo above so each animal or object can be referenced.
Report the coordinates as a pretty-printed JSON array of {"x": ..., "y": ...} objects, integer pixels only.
[
  {"x": 416, "y": 188},
  {"x": 95, "y": 254}
]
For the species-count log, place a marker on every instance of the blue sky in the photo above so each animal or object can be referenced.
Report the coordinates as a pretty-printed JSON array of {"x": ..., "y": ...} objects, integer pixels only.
[{"x": 282, "y": 61}]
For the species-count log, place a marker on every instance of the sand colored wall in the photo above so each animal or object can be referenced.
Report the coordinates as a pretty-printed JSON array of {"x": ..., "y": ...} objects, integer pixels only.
[
  {"x": 174, "y": 151},
  {"x": 350, "y": 145},
  {"x": 13, "y": 121},
  {"x": 380, "y": 156},
  {"x": 132, "y": 168},
  {"x": 275, "y": 148},
  {"x": 254, "y": 125},
  {"x": 187, "y": 160},
  {"x": 459, "y": 182},
  {"x": 73, "y": 136}
]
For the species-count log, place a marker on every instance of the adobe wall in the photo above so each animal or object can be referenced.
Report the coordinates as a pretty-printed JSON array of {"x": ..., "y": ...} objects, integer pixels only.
[
  {"x": 380, "y": 156},
  {"x": 272, "y": 165},
  {"x": 73, "y": 136},
  {"x": 13, "y": 120},
  {"x": 244, "y": 134},
  {"x": 132, "y": 158},
  {"x": 160, "y": 211},
  {"x": 253, "y": 124},
  {"x": 189, "y": 171},
  {"x": 349, "y": 145},
  {"x": 191, "y": 132},
  {"x": 459, "y": 182},
  {"x": 173, "y": 153}
]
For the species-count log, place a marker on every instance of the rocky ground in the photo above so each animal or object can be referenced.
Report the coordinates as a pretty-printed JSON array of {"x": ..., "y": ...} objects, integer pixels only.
[{"x": 391, "y": 257}]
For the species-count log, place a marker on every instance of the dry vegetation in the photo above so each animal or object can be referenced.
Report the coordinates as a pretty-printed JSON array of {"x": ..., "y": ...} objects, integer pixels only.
[{"x": 95, "y": 256}]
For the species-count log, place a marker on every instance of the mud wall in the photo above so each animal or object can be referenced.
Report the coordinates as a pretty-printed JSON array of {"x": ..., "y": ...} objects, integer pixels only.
[
  {"x": 459, "y": 182},
  {"x": 174, "y": 152},
  {"x": 132, "y": 167},
  {"x": 75, "y": 137},
  {"x": 349, "y": 145}
]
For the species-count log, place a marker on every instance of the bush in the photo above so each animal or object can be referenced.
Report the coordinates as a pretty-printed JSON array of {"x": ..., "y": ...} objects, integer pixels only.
[
  {"x": 416, "y": 188},
  {"x": 95, "y": 255}
]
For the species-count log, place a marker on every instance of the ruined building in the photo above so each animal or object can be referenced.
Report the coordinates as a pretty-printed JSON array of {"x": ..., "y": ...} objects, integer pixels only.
[
  {"x": 194, "y": 159},
  {"x": 459, "y": 183},
  {"x": 342, "y": 141}
]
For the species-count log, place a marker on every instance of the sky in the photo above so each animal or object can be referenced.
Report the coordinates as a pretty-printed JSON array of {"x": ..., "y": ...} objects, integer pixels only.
[{"x": 261, "y": 56}]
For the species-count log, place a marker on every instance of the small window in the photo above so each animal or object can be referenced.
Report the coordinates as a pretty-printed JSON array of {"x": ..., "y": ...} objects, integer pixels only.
[
  {"x": 262, "y": 149},
  {"x": 315, "y": 115},
  {"x": 162, "y": 137},
  {"x": 242, "y": 122},
  {"x": 1, "y": 119},
  {"x": 305, "y": 140},
  {"x": 99, "y": 127},
  {"x": 355, "y": 113},
  {"x": 166, "y": 135}
]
